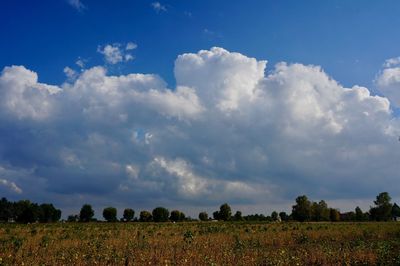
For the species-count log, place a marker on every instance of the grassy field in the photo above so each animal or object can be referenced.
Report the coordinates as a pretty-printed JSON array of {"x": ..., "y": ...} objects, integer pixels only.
[{"x": 208, "y": 243}]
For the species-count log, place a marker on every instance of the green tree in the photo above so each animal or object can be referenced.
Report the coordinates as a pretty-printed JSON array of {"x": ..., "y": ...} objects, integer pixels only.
[
  {"x": 86, "y": 214},
  {"x": 73, "y": 218},
  {"x": 274, "y": 216},
  {"x": 48, "y": 213},
  {"x": 177, "y": 216},
  {"x": 26, "y": 212},
  {"x": 334, "y": 215},
  {"x": 203, "y": 216},
  {"x": 360, "y": 216},
  {"x": 284, "y": 217},
  {"x": 238, "y": 216},
  {"x": 5, "y": 210},
  {"x": 302, "y": 210},
  {"x": 395, "y": 210},
  {"x": 145, "y": 216},
  {"x": 320, "y": 211},
  {"x": 216, "y": 215},
  {"x": 383, "y": 207},
  {"x": 128, "y": 215},
  {"x": 225, "y": 212},
  {"x": 160, "y": 214},
  {"x": 110, "y": 214}
]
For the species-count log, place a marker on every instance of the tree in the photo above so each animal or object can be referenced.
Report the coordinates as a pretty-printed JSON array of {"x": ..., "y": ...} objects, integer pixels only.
[
  {"x": 128, "y": 215},
  {"x": 110, "y": 214},
  {"x": 26, "y": 212},
  {"x": 86, "y": 214},
  {"x": 5, "y": 210},
  {"x": 334, "y": 215},
  {"x": 360, "y": 216},
  {"x": 203, "y": 216},
  {"x": 48, "y": 213},
  {"x": 216, "y": 215},
  {"x": 302, "y": 210},
  {"x": 395, "y": 210},
  {"x": 145, "y": 216},
  {"x": 177, "y": 216},
  {"x": 284, "y": 217},
  {"x": 73, "y": 218},
  {"x": 238, "y": 216},
  {"x": 225, "y": 212},
  {"x": 383, "y": 207},
  {"x": 160, "y": 214},
  {"x": 274, "y": 216},
  {"x": 320, "y": 211}
]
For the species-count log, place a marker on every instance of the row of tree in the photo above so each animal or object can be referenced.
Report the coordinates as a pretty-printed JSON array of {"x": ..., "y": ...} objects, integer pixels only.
[
  {"x": 159, "y": 214},
  {"x": 24, "y": 211}
]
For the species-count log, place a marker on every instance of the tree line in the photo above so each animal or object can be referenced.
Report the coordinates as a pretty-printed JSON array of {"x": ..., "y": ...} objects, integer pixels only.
[
  {"x": 304, "y": 210},
  {"x": 24, "y": 211}
]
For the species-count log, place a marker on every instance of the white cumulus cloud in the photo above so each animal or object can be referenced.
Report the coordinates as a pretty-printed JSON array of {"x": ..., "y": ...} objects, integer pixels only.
[{"x": 229, "y": 131}]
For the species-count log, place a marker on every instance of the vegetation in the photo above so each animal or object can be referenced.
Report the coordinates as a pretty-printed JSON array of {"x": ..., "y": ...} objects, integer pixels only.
[
  {"x": 110, "y": 214},
  {"x": 24, "y": 211},
  {"x": 129, "y": 214},
  {"x": 86, "y": 214},
  {"x": 201, "y": 243},
  {"x": 203, "y": 216},
  {"x": 256, "y": 239},
  {"x": 304, "y": 210}
]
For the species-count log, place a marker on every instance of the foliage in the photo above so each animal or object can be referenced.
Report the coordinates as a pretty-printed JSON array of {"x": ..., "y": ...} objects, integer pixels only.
[
  {"x": 383, "y": 208},
  {"x": 334, "y": 215},
  {"x": 177, "y": 216},
  {"x": 203, "y": 216},
  {"x": 284, "y": 217},
  {"x": 160, "y": 214},
  {"x": 86, "y": 214},
  {"x": 275, "y": 216},
  {"x": 320, "y": 211},
  {"x": 302, "y": 210},
  {"x": 238, "y": 216},
  {"x": 225, "y": 212},
  {"x": 395, "y": 210},
  {"x": 145, "y": 216},
  {"x": 110, "y": 214},
  {"x": 128, "y": 215},
  {"x": 48, "y": 213}
]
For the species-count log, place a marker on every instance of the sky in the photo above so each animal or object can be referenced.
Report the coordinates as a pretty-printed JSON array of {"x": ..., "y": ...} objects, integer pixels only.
[{"x": 190, "y": 104}]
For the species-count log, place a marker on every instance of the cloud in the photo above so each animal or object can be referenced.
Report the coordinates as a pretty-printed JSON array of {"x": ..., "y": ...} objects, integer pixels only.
[
  {"x": 388, "y": 80},
  {"x": 10, "y": 185},
  {"x": 158, "y": 7},
  {"x": 77, "y": 4},
  {"x": 80, "y": 62},
  {"x": 70, "y": 73},
  {"x": 113, "y": 53},
  {"x": 130, "y": 46},
  {"x": 395, "y": 61},
  {"x": 23, "y": 96},
  {"x": 230, "y": 131}
]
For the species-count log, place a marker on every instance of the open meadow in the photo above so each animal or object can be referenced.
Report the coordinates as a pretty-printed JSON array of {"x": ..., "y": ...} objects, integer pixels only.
[{"x": 200, "y": 243}]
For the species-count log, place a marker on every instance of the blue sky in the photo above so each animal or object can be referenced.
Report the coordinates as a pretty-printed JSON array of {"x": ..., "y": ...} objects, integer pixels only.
[
  {"x": 349, "y": 39},
  {"x": 189, "y": 104}
]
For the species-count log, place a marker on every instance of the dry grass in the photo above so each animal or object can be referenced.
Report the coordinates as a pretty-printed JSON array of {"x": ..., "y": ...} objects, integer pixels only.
[{"x": 200, "y": 244}]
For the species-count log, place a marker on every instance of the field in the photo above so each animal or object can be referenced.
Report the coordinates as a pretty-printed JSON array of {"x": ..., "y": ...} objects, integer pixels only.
[{"x": 207, "y": 243}]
